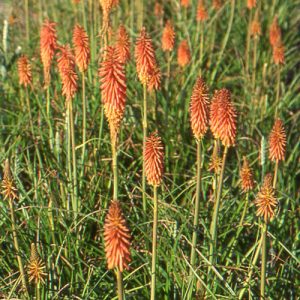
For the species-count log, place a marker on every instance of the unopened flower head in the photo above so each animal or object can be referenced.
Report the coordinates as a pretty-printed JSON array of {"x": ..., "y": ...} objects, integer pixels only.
[
  {"x": 116, "y": 238},
  {"x": 255, "y": 28},
  {"x": 251, "y": 4},
  {"x": 144, "y": 56},
  {"x": 216, "y": 4},
  {"x": 168, "y": 37},
  {"x": 24, "y": 71},
  {"x": 246, "y": 174},
  {"x": 202, "y": 14},
  {"x": 81, "y": 47},
  {"x": 9, "y": 189},
  {"x": 185, "y": 3},
  {"x": 277, "y": 141},
  {"x": 153, "y": 158},
  {"x": 48, "y": 45},
  {"x": 266, "y": 201},
  {"x": 66, "y": 68},
  {"x": 275, "y": 33},
  {"x": 123, "y": 44},
  {"x": 36, "y": 267},
  {"x": 183, "y": 54},
  {"x": 199, "y": 109}
]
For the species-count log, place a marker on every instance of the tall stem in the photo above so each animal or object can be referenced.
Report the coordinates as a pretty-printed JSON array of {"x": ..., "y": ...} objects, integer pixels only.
[
  {"x": 83, "y": 126},
  {"x": 214, "y": 225},
  {"x": 69, "y": 163},
  {"x": 275, "y": 175},
  {"x": 48, "y": 104},
  {"x": 145, "y": 132},
  {"x": 74, "y": 163},
  {"x": 277, "y": 90},
  {"x": 120, "y": 285},
  {"x": 264, "y": 245},
  {"x": 263, "y": 260},
  {"x": 38, "y": 291},
  {"x": 196, "y": 220},
  {"x": 154, "y": 244},
  {"x": 155, "y": 107},
  {"x": 115, "y": 167},
  {"x": 168, "y": 69},
  {"x": 16, "y": 244}
]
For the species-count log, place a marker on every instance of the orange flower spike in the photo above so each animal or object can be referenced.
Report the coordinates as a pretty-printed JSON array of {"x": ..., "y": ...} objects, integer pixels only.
[
  {"x": 48, "y": 45},
  {"x": 199, "y": 109},
  {"x": 9, "y": 189},
  {"x": 66, "y": 68},
  {"x": 223, "y": 117},
  {"x": 246, "y": 174},
  {"x": 168, "y": 37},
  {"x": 277, "y": 142},
  {"x": 266, "y": 201},
  {"x": 144, "y": 56},
  {"x": 116, "y": 238},
  {"x": 183, "y": 54},
  {"x": 216, "y": 4},
  {"x": 153, "y": 158},
  {"x": 36, "y": 267},
  {"x": 201, "y": 12},
  {"x": 278, "y": 55},
  {"x": 185, "y": 3},
  {"x": 123, "y": 45},
  {"x": 154, "y": 79},
  {"x": 113, "y": 87},
  {"x": 24, "y": 71},
  {"x": 81, "y": 47},
  {"x": 275, "y": 33},
  {"x": 251, "y": 4},
  {"x": 255, "y": 28}
]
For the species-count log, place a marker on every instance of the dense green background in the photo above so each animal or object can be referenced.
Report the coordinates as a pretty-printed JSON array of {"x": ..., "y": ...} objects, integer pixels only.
[{"x": 76, "y": 262}]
